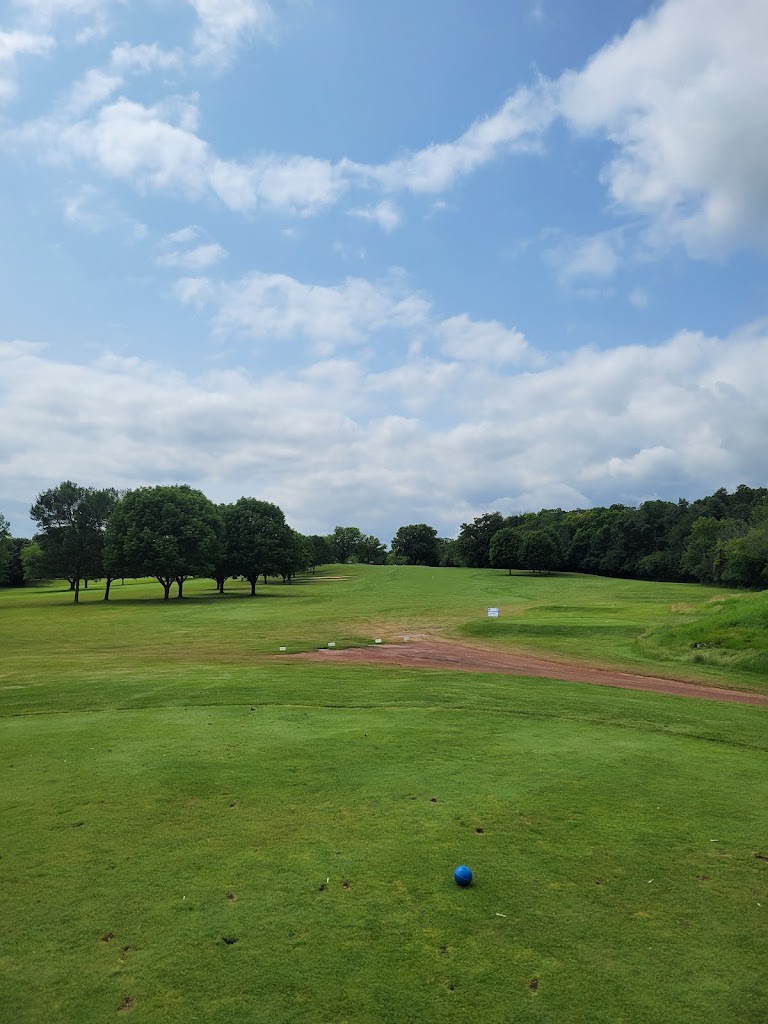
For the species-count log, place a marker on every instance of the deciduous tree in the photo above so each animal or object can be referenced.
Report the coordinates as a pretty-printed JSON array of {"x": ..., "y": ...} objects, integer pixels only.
[
  {"x": 416, "y": 545},
  {"x": 505, "y": 549},
  {"x": 73, "y": 521},
  {"x": 169, "y": 532}
]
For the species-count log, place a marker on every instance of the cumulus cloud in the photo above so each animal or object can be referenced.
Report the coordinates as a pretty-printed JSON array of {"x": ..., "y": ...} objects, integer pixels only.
[
  {"x": 487, "y": 341},
  {"x": 681, "y": 97},
  {"x": 17, "y": 44},
  {"x": 586, "y": 259},
  {"x": 144, "y": 57},
  {"x": 46, "y": 10},
  {"x": 88, "y": 208},
  {"x": 225, "y": 25},
  {"x": 681, "y": 418},
  {"x": 197, "y": 258},
  {"x": 277, "y": 306},
  {"x": 385, "y": 214},
  {"x": 517, "y": 126}
]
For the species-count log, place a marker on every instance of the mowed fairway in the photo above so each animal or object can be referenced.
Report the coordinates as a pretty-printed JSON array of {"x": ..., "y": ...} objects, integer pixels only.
[{"x": 197, "y": 828}]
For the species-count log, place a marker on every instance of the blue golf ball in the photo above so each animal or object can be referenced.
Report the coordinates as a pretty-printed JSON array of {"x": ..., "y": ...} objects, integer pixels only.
[{"x": 462, "y": 876}]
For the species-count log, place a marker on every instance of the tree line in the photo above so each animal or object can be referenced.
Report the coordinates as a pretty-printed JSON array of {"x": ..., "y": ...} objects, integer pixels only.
[
  {"x": 174, "y": 532},
  {"x": 719, "y": 539},
  {"x": 170, "y": 533}
]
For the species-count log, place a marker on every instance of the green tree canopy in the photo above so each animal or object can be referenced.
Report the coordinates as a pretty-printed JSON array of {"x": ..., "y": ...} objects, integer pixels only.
[
  {"x": 321, "y": 551},
  {"x": 474, "y": 540},
  {"x": 345, "y": 543},
  {"x": 416, "y": 545},
  {"x": 371, "y": 551},
  {"x": 540, "y": 551},
  {"x": 72, "y": 521},
  {"x": 169, "y": 532},
  {"x": 257, "y": 539},
  {"x": 505, "y": 549}
]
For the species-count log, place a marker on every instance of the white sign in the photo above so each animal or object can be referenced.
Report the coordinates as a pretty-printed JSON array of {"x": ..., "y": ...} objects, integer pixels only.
[{"x": 493, "y": 613}]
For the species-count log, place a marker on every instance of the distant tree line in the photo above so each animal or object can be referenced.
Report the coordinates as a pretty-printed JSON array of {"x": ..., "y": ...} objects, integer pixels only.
[
  {"x": 720, "y": 539},
  {"x": 170, "y": 533},
  {"x": 174, "y": 532}
]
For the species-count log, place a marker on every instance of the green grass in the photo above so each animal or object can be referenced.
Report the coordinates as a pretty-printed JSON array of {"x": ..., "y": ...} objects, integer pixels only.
[{"x": 167, "y": 785}]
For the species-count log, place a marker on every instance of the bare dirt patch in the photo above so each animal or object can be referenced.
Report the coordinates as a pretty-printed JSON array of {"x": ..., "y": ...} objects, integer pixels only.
[
  {"x": 127, "y": 1004},
  {"x": 445, "y": 655}
]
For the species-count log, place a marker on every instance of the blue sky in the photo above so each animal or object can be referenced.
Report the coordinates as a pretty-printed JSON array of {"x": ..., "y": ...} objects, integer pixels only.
[{"x": 384, "y": 263}]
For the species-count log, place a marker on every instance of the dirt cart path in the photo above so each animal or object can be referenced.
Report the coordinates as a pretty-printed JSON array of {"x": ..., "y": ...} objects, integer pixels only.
[{"x": 447, "y": 655}]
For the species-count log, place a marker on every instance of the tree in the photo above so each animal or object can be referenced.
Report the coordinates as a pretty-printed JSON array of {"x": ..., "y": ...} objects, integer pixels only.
[
  {"x": 294, "y": 554},
  {"x": 449, "y": 552},
  {"x": 224, "y": 567},
  {"x": 256, "y": 539},
  {"x": 5, "y": 547},
  {"x": 540, "y": 551},
  {"x": 701, "y": 547},
  {"x": 474, "y": 540},
  {"x": 371, "y": 551},
  {"x": 416, "y": 545},
  {"x": 33, "y": 562},
  {"x": 505, "y": 549},
  {"x": 321, "y": 551},
  {"x": 13, "y": 574},
  {"x": 73, "y": 521},
  {"x": 168, "y": 532},
  {"x": 345, "y": 542}
]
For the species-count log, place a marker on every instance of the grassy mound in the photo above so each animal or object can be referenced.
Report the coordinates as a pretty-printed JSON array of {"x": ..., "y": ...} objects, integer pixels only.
[{"x": 727, "y": 633}]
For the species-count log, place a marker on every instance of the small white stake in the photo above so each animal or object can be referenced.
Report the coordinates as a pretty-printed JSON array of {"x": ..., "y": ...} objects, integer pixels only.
[
  {"x": 282, "y": 648},
  {"x": 331, "y": 644},
  {"x": 377, "y": 641}
]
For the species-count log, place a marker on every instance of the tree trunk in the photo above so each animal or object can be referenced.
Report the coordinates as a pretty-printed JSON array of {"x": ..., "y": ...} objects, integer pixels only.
[
  {"x": 166, "y": 585},
  {"x": 77, "y": 590},
  {"x": 107, "y": 585},
  {"x": 180, "y": 585},
  {"x": 71, "y": 582},
  {"x": 265, "y": 579},
  {"x": 86, "y": 582},
  {"x": 253, "y": 585}
]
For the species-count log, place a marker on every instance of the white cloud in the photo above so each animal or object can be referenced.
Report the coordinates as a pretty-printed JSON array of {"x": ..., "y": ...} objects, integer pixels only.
[
  {"x": 276, "y": 306},
  {"x": 142, "y": 144},
  {"x": 517, "y": 126},
  {"x": 91, "y": 210},
  {"x": 16, "y": 44},
  {"x": 487, "y": 341},
  {"x": 93, "y": 88},
  {"x": 385, "y": 214},
  {"x": 45, "y": 11},
  {"x": 226, "y": 25},
  {"x": 183, "y": 235},
  {"x": 681, "y": 96},
  {"x": 584, "y": 258},
  {"x": 197, "y": 258},
  {"x": 144, "y": 57},
  {"x": 682, "y": 418}
]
